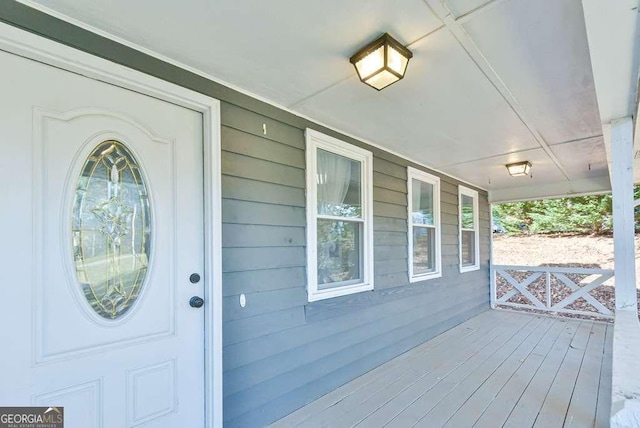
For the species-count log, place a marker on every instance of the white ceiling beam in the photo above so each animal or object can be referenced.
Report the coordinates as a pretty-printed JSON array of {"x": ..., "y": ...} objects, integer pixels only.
[
  {"x": 440, "y": 9},
  {"x": 490, "y": 4},
  {"x": 517, "y": 152},
  {"x": 582, "y": 187},
  {"x": 612, "y": 34},
  {"x": 482, "y": 8}
]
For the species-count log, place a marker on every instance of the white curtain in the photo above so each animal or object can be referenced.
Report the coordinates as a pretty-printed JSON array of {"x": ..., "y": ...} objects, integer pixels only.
[{"x": 334, "y": 176}]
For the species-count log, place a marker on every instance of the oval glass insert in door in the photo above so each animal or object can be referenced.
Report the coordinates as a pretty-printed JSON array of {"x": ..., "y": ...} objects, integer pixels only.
[{"x": 111, "y": 229}]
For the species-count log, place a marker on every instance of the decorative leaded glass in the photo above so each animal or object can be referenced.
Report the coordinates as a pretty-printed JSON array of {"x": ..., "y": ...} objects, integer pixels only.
[{"x": 111, "y": 228}]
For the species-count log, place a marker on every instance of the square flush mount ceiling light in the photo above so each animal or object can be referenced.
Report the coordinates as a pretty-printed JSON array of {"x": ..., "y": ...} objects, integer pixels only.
[
  {"x": 519, "y": 169},
  {"x": 382, "y": 62}
]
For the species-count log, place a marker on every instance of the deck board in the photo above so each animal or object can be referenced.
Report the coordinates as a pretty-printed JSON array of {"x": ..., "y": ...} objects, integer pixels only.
[
  {"x": 603, "y": 407},
  {"x": 557, "y": 402},
  {"x": 412, "y": 403},
  {"x": 582, "y": 408},
  {"x": 518, "y": 405},
  {"x": 364, "y": 386},
  {"x": 505, "y": 377},
  {"x": 506, "y": 356},
  {"x": 498, "y": 369},
  {"x": 385, "y": 388}
]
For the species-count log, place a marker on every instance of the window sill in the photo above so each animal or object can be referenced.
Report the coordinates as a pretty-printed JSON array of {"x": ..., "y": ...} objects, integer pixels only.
[
  {"x": 464, "y": 269},
  {"x": 426, "y": 277},
  {"x": 317, "y": 295}
]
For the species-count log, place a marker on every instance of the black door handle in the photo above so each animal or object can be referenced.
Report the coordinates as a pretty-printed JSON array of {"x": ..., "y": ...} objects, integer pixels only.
[{"x": 196, "y": 302}]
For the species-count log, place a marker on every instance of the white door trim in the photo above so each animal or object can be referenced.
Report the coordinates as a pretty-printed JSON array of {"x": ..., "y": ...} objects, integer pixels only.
[{"x": 32, "y": 46}]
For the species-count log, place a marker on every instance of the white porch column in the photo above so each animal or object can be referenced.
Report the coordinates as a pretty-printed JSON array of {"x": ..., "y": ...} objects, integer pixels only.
[
  {"x": 623, "y": 222},
  {"x": 625, "y": 388}
]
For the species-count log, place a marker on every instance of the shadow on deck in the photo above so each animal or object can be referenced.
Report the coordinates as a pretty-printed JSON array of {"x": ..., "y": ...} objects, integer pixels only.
[{"x": 497, "y": 369}]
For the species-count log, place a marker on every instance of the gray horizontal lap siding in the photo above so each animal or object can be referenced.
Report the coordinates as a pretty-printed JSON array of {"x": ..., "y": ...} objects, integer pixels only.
[{"x": 280, "y": 352}]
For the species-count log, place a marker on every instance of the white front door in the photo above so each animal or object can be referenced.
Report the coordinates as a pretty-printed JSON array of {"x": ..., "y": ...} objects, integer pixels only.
[{"x": 102, "y": 250}]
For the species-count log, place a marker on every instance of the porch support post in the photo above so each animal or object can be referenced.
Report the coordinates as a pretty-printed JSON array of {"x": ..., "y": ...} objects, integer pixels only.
[
  {"x": 623, "y": 221},
  {"x": 625, "y": 388}
]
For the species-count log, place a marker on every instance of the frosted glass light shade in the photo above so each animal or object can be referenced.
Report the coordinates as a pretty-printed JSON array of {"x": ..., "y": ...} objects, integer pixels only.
[
  {"x": 382, "y": 62},
  {"x": 519, "y": 169}
]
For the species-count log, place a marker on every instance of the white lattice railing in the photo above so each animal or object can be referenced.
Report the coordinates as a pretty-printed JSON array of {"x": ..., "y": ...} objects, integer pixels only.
[{"x": 570, "y": 290}]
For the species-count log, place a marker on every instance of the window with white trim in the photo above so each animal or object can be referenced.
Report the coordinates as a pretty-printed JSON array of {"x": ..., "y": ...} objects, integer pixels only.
[
  {"x": 469, "y": 230},
  {"x": 424, "y": 225},
  {"x": 339, "y": 217}
]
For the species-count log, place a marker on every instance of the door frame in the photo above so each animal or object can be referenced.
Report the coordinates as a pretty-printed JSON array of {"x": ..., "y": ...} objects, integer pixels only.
[{"x": 32, "y": 46}]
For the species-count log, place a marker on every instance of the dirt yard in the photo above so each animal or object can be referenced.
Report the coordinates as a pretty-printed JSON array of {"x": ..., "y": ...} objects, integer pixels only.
[
  {"x": 559, "y": 250},
  {"x": 535, "y": 250}
]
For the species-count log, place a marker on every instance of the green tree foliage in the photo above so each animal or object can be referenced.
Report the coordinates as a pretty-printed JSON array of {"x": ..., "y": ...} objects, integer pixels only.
[{"x": 583, "y": 214}]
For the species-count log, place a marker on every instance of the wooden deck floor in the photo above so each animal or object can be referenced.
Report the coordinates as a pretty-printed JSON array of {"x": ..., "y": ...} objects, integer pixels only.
[{"x": 499, "y": 369}]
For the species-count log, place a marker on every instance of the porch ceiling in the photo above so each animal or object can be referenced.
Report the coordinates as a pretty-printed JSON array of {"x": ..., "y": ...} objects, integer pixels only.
[{"x": 491, "y": 81}]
